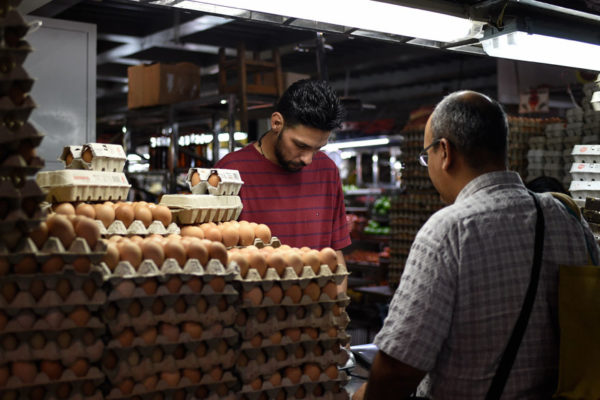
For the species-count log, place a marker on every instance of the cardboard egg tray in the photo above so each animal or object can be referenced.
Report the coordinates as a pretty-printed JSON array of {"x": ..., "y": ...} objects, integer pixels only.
[
  {"x": 147, "y": 367},
  {"x": 15, "y": 116},
  {"x": 5, "y": 6},
  {"x": 140, "y": 391},
  {"x": 14, "y": 76},
  {"x": 254, "y": 368},
  {"x": 188, "y": 209},
  {"x": 51, "y": 351},
  {"x": 586, "y": 154},
  {"x": 68, "y": 376},
  {"x": 229, "y": 185},
  {"x": 82, "y": 185},
  {"x": 79, "y": 390},
  {"x": 137, "y": 228},
  {"x": 15, "y": 55},
  {"x": 216, "y": 332},
  {"x": 148, "y": 319},
  {"x": 290, "y": 346},
  {"x": 105, "y": 157},
  {"x": 291, "y": 388},
  {"x": 51, "y": 299},
  {"x": 585, "y": 171},
  {"x": 12, "y": 139},
  {"x": 52, "y": 320},
  {"x": 290, "y": 277},
  {"x": 591, "y": 116},
  {"x": 53, "y": 247}
]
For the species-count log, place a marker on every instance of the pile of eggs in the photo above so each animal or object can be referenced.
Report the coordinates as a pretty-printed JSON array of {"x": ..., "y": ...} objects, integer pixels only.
[
  {"x": 230, "y": 233},
  {"x": 50, "y": 296}
]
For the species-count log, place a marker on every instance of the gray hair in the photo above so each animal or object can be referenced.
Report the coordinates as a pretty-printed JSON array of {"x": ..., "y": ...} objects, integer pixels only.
[{"x": 475, "y": 124}]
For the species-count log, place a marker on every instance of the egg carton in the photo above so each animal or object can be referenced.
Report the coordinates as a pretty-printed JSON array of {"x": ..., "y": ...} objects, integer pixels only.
[
  {"x": 16, "y": 197},
  {"x": 585, "y": 172},
  {"x": 82, "y": 185},
  {"x": 15, "y": 55},
  {"x": 146, "y": 366},
  {"x": 330, "y": 387},
  {"x": 194, "y": 209},
  {"x": 42, "y": 379},
  {"x": 53, "y": 247},
  {"x": 254, "y": 369},
  {"x": 591, "y": 116},
  {"x": 51, "y": 351},
  {"x": 290, "y": 277},
  {"x": 574, "y": 115},
  {"x": 580, "y": 190},
  {"x": 229, "y": 183},
  {"x": 105, "y": 157},
  {"x": 167, "y": 391},
  {"x": 17, "y": 223},
  {"x": 273, "y": 325},
  {"x": 137, "y": 228},
  {"x": 80, "y": 390},
  {"x": 49, "y": 320},
  {"x": 11, "y": 139},
  {"x": 13, "y": 115},
  {"x": 51, "y": 299},
  {"x": 14, "y": 82},
  {"x": 18, "y": 168},
  {"x": 575, "y": 128},
  {"x": 586, "y": 153},
  {"x": 147, "y": 318},
  {"x": 217, "y": 331}
]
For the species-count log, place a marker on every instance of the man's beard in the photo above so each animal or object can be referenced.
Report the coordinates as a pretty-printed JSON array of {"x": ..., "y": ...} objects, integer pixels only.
[{"x": 286, "y": 164}]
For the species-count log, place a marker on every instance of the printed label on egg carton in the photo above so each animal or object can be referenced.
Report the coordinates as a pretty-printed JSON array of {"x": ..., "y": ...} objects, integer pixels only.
[
  {"x": 167, "y": 392},
  {"x": 52, "y": 320},
  {"x": 253, "y": 327},
  {"x": 228, "y": 182},
  {"x": 80, "y": 185},
  {"x": 583, "y": 153},
  {"x": 53, "y": 247},
  {"x": 138, "y": 228},
  {"x": 333, "y": 386},
  {"x": 189, "y": 209},
  {"x": 254, "y": 369},
  {"x": 585, "y": 171},
  {"x": 95, "y": 157},
  {"x": 148, "y": 318},
  {"x": 67, "y": 376},
  {"x": 290, "y": 277},
  {"x": 51, "y": 351},
  {"x": 146, "y": 366}
]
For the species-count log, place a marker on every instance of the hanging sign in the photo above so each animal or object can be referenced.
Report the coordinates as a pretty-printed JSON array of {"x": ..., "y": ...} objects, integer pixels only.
[{"x": 535, "y": 101}]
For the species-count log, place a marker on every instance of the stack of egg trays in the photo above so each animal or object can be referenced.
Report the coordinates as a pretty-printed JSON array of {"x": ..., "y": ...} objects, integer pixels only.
[
  {"x": 267, "y": 349},
  {"x": 143, "y": 303},
  {"x": 51, "y": 319},
  {"x": 137, "y": 228}
]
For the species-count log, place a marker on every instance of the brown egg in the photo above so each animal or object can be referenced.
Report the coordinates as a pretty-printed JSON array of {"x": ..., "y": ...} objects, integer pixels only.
[
  {"x": 171, "y": 332},
  {"x": 216, "y": 373},
  {"x": 105, "y": 213},
  {"x": 126, "y": 387},
  {"x": 217, "y": 284},
  {"x": 3, "y": 320},
  {"x": 174, "y": 249},
  {"x": 87, "y": 155},
  {"x": 294, "y": 293},
  {"x": 54, "y": 318},
  {"x": 201, "y": 305},
  {"x": 171, "y": 378},
  {"x": 293, "y": 374},
  {"x": 80, "y": 367},
  {"x": 133, "y": 358},
  {"x": 142, "y": 213},
  {"x": 300, "y": 393},
  {"x": 180, "y": 306},
  {"x": 214, "y": 179},
  {"x": 241, "y": 261},
  {"x": 69, "y": 158},
  {"x": 111, "y": 258},
  {"x": 312, "y": 332},
  {"x": 328, "y": 257},
  {"x": 193, "y": 329},
  {"x": 40, "y": 234},
  {"x": 258, "y": 262},
  {"x": 261, "y": 315},
  {"x": 332, "y": 371},
  {"x": 149, "y": 335},
  {"x": 158, "y": 307},
  {"x": 82, "y": 264},
  {"x": 137, "y": 239},
  {"x": 256, "y": 384},
  {"x": 151, "y": 250},
  {"x": 88, "y": 338},
  {"x": 330, "y": 289},
  {"x": 63, "y": 288},
  {"x": 293, "y": 333},
  {"x": 162, "y": 214},
  {"x": 230, "y": 236},
  {"x": 64, "y": 209},
  {"x": 280, "y": 354},
  {"x": 218, "y": 251},
  {"x": 9, "y": 342},
  {"x": 174, "y": 284},
  {"x": 26, "y": 266},
  {"x": 150, "y": 382},
  {"x": 192, "y": 231},
  {"x": 275, "y": 379},
  {"x": 194, "y": 375},
  {"x": 254, "y": 296},
  {"x": 53, "y": 265},
  {"x": 86, "y": 210},
  {"x": 246, "y": 235},
  {"x": 275, "y": 294},
  {"x": 197, "y": 250},
  {"x": 9, "y": 291},
  {"x": 125, "y": 213},
  {"x": 25, "y": 371},
  {"x": 311, "y": 258},
  {"x": 213, "y": 233},
  {"x": 276, "y": 337},
  {"x": 129, "y": 251},
  {"x": 332, "y": 332},
  {"x": 313, "y": 291},
  {"x": 126, "y": 337},
  {"x": 62, "y": 228},
  {"x": 313, "y": 371},
  {"x": 195, "y": 179},
  {"x": 195, "y": 284},
  {"x": 80, "y": 316},
  {"x": 4, "y": 266},
  {"x": 263, "y": 233},
  {"x": 135, "y": 309},
  {"x": 149, "y": 286},
  {"x": 300, "y": 353},
  {"x": 293, "y": 259},
  {"x": 37, "y": 341},
  {"x": 275, "y": 260}
]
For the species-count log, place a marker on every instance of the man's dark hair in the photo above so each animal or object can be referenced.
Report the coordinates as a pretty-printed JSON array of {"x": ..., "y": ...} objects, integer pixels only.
[
  {"x": 311, "y": 103},
  {"x": 545, "y": 184},
  {"x": 475, "y": 124}
]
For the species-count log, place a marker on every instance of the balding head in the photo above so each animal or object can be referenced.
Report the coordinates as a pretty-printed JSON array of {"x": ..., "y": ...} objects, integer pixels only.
[{"x": 476, "y": 125}]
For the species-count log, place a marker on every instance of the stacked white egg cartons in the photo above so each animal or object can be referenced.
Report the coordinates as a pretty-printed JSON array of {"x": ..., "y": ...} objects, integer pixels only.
[
  {"x": 545, "y": 147},
  {"x": 49, "y": 292},
  {"x": 553, "y": 155},
  {"x": 585, "y": 172},
  {"x": 518, "y": 145},
  {"x": 291, "y": 322}
]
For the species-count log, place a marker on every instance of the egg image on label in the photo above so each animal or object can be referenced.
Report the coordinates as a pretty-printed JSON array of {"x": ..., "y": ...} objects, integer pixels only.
[
  {"x": 254, "y": 296},
  {"x": 105, "y": 213},
  {"x": 124, "y": 213},
  {"x": 214, "y": 179},
  {"x": 162, "y": 214},
  {"x": 86, "y": 210},
  {"x": 195, "y": 179},
  {"x": 64, "y": 209},
  {"x": 60, "y": 227}
]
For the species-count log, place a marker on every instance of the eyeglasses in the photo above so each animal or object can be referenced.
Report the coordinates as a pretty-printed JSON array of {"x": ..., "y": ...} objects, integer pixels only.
[{"x": 423, "y": 156}]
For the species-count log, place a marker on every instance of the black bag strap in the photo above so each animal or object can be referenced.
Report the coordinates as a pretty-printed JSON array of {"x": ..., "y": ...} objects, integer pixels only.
[{"x": 510, "y": 352}]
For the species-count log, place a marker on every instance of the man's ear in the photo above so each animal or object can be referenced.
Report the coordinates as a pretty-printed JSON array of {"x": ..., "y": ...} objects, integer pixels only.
[
  {"x": 276, "y": 122},
  {"x": 448, "y": 154}
]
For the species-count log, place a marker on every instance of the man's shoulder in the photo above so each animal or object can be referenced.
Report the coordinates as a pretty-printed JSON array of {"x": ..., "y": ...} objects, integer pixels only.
[{"x": 239, "y": 157}]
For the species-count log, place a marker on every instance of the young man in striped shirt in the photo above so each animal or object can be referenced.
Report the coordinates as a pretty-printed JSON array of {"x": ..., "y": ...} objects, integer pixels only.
[{"x": 288, "y": 183}]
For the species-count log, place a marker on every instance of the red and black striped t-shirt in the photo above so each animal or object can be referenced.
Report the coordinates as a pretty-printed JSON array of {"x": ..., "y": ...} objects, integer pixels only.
[{"x": 304, "y": 208}]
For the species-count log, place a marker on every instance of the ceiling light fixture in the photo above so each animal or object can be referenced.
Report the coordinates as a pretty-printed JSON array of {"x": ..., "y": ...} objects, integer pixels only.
[
  {"x": 361, "y": 14},
  {"x": 528, "y": 42},
  {"x": 355, "y": 144}
]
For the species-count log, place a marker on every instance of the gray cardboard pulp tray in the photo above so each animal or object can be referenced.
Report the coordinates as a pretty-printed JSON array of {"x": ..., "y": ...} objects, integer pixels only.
[
  {"x": 586, "y": 153},
  {"x": 199, "y": 208},
  {"x": 229, "y": 184},
  {"x": 83, "y": 185}
]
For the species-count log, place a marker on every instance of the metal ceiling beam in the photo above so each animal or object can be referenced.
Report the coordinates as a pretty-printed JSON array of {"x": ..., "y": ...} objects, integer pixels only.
[
  {"x": 166, "y": 38},
  {"x": 45, "y": 8}
]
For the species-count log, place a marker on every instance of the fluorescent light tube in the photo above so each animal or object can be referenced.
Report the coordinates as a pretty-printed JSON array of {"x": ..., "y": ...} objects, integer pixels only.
[
  {"x": 519, "y": 45},
  {"x": 355, "y": 144},
  {"x": 363, "y": 14}
]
